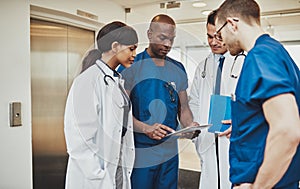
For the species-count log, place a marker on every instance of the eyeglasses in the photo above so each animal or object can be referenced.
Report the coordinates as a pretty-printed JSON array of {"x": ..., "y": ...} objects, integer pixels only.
[
  {"x": 170, "y": 89},
  {"x": 217, "y": 34}
]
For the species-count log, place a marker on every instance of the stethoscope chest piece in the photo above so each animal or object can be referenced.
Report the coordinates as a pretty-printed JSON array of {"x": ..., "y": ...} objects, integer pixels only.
[
  {"x": 105, "y": 79},
  {"x": 203, "y": 74}
]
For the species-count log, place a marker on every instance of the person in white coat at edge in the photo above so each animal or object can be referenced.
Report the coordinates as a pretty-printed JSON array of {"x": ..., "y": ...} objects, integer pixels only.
[
  {"x": 98, "y": 118},
  {"x": 214, "y": 157}
]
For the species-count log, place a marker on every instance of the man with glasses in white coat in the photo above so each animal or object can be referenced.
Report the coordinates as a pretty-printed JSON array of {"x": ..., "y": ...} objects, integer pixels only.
[{"x": 213, "y": 149}]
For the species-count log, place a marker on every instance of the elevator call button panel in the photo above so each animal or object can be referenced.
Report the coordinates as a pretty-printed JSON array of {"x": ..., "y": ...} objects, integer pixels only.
[{"x": 15, "y": 114}]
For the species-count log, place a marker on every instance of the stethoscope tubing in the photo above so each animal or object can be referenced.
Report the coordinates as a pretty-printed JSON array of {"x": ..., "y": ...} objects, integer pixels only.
[
  {"x": 105, "y": 75},
  {"x": 124, "y": 93},
  {"x": 203, "y": 73}
]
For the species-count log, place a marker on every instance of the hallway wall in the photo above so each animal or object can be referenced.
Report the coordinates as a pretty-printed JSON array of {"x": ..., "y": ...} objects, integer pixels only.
[
  {"x": 16, "y": 150},
  {"x": 15, "y": 147},
  {"x": 106, "y": 10}
]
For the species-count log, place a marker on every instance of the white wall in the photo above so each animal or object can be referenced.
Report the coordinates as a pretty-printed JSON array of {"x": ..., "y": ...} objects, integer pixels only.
[
  {"x": 106, "y": 10},
  {"x": 15, "y": 146},
  {"x": 294, "y": 50}
]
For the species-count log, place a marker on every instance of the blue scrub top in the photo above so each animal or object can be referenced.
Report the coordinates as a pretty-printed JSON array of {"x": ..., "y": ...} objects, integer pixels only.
[
  {"x": 154, "y": 92},
  {"x": 268, "y": 71},
  {"x": 120, "y": 68}
]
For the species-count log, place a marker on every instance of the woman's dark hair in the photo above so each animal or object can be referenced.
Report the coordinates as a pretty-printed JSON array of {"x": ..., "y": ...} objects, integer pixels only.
[
  {"x": 115, "y": 31},
  {"x": 90, "y": 59}
]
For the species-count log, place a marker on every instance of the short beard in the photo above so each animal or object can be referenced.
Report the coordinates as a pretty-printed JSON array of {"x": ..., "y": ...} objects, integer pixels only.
[{"x": 235, "y": 49}]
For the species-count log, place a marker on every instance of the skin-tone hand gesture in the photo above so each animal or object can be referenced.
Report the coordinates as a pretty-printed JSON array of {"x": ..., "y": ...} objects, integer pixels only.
[
  {"x": 243, "y": 186},
  {"x": 227, "y": 132},
  {"x": 191, "y": 135},
  {"x": 158, "y": 131}
]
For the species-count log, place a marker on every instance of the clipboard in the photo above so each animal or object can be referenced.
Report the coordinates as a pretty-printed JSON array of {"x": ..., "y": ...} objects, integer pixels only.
[
  {"x": 189, "y": 129},
  {"x": 220, "y": 109}
]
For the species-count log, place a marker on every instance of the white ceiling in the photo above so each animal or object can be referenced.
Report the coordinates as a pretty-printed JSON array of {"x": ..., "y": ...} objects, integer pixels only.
[{"x": 283, "y": 16}]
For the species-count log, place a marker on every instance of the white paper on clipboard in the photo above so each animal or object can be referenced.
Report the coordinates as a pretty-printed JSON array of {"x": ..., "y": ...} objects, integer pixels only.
[{"x": 189, "y": 129}]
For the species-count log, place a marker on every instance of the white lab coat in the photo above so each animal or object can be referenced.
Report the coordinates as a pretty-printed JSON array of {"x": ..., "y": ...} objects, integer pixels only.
[
  {"x": 93, "y": 127},
  {"x": 199, "y": 102}
]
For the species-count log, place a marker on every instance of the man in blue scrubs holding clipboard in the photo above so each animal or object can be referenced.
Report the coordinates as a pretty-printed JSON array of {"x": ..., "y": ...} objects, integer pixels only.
[
  {"x": 157, "y": 85},
  {"x": 264, "y": 145}
]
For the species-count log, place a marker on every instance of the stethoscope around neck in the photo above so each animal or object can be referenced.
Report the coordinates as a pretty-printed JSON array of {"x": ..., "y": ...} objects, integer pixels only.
[
  {"x": 127, "y": 103},
  {"x": 106, "y": 76},
  {"x": 203, "y": 73}
]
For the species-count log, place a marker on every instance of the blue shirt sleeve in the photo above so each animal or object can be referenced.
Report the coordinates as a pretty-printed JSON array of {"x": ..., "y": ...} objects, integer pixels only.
[
  {"x": 268, "y": 75},
  {"x": 184, "y": 84}
]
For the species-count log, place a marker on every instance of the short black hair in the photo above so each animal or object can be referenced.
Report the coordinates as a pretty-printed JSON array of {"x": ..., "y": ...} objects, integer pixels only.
[{"x": 211, "y": 17}]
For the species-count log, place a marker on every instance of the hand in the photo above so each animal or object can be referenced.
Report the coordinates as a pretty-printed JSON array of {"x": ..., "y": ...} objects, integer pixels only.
[
  {"x": 193, "y": 134},
  {"x": 158, "y": 131},
  {"x": 227, "y": 132},
  {"x": 243, "y": 186}
]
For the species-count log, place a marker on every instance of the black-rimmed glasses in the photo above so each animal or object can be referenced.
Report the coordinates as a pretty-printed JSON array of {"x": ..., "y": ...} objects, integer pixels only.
[{"x": 217, "y": 34}]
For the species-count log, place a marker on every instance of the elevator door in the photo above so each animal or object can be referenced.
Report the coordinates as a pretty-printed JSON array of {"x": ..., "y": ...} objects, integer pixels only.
[{"x": 56, "y": 54}]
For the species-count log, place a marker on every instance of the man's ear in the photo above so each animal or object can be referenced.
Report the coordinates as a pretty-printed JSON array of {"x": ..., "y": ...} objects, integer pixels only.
[
  {"x": 115, "y": 46},
  {"x": 233, "y": 23},
  {"x": 149, "y": 33}
]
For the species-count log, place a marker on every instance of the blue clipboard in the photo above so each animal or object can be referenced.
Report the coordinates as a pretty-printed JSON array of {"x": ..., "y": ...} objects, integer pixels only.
[{"x": 220, "y": 109}]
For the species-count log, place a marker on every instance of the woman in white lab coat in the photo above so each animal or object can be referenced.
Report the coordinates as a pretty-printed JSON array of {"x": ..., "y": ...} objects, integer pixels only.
[{"x": 98, "y": 123}]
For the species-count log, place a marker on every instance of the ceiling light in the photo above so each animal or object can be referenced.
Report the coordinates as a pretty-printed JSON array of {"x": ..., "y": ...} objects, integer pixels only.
[
  {"x": 199, "y": 4},
  {"x": 206, "y": 12}
]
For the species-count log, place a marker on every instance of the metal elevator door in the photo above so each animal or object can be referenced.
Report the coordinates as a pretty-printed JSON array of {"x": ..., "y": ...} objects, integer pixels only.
[{"x": 56, "y": 54}]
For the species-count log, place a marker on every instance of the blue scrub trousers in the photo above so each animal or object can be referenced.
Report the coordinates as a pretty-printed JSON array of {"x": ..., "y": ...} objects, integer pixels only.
[
  {"x": 290, "y": 186},
  {"x": 162, "y": 176}
]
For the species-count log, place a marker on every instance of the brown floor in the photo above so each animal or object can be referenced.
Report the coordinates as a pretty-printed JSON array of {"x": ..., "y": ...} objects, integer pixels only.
[
  {"x": 49, "y": 173},
  {"x": 188, "y": 179}
]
